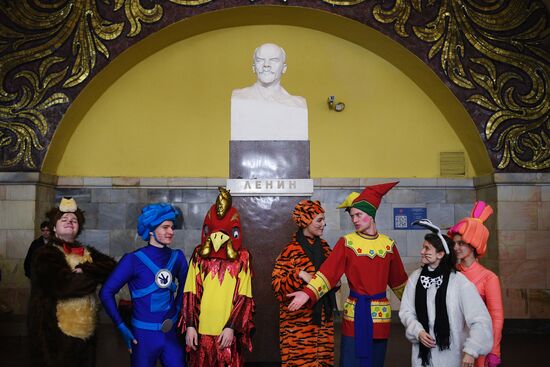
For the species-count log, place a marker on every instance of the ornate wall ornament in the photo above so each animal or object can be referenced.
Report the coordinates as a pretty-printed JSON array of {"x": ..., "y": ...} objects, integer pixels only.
[
  {"x": 495, "y": 49},
  {"x": 491, "y": 54}
]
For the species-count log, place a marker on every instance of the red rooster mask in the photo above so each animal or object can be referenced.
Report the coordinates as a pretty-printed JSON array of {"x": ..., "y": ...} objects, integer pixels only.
[{"x": 221, "y": 229}]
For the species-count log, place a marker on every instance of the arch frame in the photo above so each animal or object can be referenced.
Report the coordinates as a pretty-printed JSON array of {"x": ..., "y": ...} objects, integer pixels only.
[{"x": 46, "y": 83}]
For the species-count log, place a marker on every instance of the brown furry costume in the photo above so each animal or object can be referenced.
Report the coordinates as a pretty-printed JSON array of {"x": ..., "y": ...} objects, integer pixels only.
[{"x": 62, "y": 312}]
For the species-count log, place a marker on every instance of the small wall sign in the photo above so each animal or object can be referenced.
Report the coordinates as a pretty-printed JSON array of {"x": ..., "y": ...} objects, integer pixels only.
[{"x": 403, "y": 217}]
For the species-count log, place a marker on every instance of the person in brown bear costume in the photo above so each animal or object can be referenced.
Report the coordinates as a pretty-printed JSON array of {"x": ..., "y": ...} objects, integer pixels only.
[{"x": 63, "y": 305}]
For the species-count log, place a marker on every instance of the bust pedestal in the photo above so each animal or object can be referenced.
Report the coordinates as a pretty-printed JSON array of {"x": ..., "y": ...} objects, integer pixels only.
[
  {"x": 268, "y": 141},
  {"x": 255, "y": 119}
]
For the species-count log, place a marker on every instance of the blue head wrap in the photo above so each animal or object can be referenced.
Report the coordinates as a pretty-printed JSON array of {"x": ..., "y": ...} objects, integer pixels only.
[{"x": 152, "y": 216}]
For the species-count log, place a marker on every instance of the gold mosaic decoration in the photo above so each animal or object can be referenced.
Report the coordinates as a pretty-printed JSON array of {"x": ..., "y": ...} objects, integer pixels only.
[
  {"x": 500, "y": 32},
  {"x": 490, "y": 49}
]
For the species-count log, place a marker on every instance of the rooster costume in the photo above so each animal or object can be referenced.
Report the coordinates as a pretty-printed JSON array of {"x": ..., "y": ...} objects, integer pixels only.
[
  {"x": 218, "y": 289},
  {"x": 63, "y": 305}
]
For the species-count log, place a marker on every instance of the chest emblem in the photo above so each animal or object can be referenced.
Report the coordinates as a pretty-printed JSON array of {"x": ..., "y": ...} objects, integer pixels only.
[{"x": 163, "y": 278}]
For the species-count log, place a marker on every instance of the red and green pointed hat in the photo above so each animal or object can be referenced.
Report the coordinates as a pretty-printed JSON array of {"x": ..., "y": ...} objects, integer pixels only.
[{"x": 369, "y": 200}]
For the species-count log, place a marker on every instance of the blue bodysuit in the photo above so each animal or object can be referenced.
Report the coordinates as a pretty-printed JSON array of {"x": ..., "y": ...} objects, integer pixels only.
[{"x": 150, "y": 273}]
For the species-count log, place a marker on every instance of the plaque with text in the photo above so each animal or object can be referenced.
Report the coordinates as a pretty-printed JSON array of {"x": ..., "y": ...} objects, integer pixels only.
[{"x": 270, "y": 187}]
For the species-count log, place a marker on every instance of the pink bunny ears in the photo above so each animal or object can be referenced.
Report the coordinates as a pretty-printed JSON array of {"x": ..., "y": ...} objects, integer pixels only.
[{"x": 481, "y": 211}]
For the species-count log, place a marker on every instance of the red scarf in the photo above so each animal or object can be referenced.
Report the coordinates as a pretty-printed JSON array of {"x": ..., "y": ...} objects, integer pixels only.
[{"x": 73, "y": 250}]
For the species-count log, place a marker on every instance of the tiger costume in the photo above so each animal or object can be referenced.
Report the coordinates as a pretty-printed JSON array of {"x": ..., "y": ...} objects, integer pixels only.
[{"x": 301, "y": 342}]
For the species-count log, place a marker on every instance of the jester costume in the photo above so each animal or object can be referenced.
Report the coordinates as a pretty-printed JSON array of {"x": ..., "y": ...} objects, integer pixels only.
[
  {"x": 218, "y": 289},
  {"x": 473, "y": 232},
  {"x": 150, "y": 273},
  {"x": 370, "y": 263},
  {"x": 63, "y": 303},
  {"x": 306, "y": 336}
]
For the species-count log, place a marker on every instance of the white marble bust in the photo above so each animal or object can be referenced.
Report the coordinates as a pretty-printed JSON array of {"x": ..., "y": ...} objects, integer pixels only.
[
  {"x": 265, "y": 110},
  {"x": 269, "y": 65}
]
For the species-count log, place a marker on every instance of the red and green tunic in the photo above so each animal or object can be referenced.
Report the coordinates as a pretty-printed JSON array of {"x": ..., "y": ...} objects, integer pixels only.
[
  {"x": 301, "y": 342},
  {"x": 371, "y": 263}
]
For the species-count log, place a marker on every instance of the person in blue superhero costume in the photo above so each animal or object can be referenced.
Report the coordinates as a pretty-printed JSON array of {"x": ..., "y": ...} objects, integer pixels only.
[{"x": 150, "y": 273}]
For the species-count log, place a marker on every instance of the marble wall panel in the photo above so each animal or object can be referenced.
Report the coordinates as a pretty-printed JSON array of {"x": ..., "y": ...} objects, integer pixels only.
[
  {"x": 400, "y": 238},
  {"x": 411, "y": 263},
  {"x": 487, "y": 194},
  {"x": 539, "y": 303},
  {"x": 441, "y": 215},
  {"x": 519, "y": 193},
  {"x": 121, "y": 195},
  {"x": 98, "y": 181},
  {"x": 430, "y": 196},
  {"x": 158, "y": 195},
  {"x": 3, "y": 244},
  {"x": 195, "y": 215},
  {"x": 332, "y": 237},
  {"x": 190, "y": 239},
  {"x": 345, "y": 222},
  {"x": 126, "y": 181},
  {"x": 537, "y": 245},
  {"x": 20, "y": 192},
  {"x": 512, "y": 245},
  {"x": 91, "y": 213},
  {"x": 332, "y": 218},
  {"x": 70, "y": 181},
  {"x": 18, "y": 242},
  {"x": 175, "y": 196},
  {"x": 462, "y": 211},
  {"x": 179, "y": 240},
  {"x": 100, "y": 239},
  {"x": 81, "y": 195},
  {"x": 460, "y": 196},
  {"x": 17, "y": 215},
  {"x": 13, "y": 273},
  {"x": 45, "y": 199},
  {"x": 153, "y": 182},
  {"x": 515, "y": 302},
  {"x": 185, "y": 181},
  {"x": 194, "y": 196},
  {"x": 401, "y": 196},
  {"x": 111, "y": 216},
  {"x": 384, "y": 217},
  {"x": 518, "y": 216},
  {"x": 101, "y": 195},
  {"x": 415, "y": 239},
  {"x": 544, "y": 216},
  {"x": 124, "y": 241},
  {"x": 523, "y": 274},
  {"x": 331, "y": 197},
  {"x": 133, "y": 211}
]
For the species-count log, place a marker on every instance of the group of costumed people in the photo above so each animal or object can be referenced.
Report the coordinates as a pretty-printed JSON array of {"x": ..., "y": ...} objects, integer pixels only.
[
  {"x": 209, "y": 299},
  {"x": 452, "y": 318},
  {"x": 201, "y": 312}
]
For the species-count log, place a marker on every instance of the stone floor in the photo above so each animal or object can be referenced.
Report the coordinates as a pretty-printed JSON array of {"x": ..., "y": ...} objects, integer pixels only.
[{"x": 523, "y": 344}]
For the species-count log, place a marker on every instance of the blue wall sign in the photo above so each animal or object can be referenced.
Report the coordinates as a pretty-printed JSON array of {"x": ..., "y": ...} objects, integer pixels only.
[{"x": 403, "y": 217}]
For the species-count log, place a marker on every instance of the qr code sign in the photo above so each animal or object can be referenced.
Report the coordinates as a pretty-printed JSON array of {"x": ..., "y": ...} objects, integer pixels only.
[{"x": 401, "y": 221}]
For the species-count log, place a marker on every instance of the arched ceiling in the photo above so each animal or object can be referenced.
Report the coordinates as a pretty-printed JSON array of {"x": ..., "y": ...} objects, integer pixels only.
[{"x": 493, "y": 57}]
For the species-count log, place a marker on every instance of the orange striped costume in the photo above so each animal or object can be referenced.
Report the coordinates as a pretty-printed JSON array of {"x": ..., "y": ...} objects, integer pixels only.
[{"x": 301, "y": 342}]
